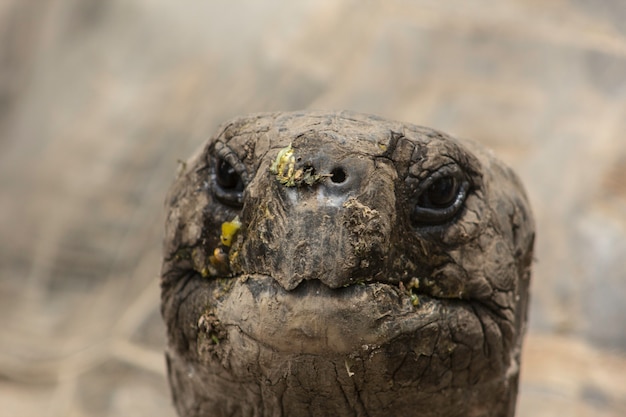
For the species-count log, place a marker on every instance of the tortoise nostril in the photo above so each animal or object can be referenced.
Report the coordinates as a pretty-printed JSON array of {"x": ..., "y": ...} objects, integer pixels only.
[{"x": 338, "y": 175}]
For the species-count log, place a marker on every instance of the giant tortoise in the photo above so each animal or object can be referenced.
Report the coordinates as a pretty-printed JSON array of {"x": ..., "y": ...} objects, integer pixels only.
[{"x": 341, "y": 264}]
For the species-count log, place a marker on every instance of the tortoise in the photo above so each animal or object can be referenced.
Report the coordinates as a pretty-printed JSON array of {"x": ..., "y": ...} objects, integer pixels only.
[{"x": 341, "y": 264}]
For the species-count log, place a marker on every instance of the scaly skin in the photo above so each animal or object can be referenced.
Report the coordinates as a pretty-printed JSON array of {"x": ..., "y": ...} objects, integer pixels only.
[{"x": 338, "y": 297}]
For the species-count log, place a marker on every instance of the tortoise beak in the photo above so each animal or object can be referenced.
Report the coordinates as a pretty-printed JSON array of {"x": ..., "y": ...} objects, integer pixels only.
[{"x": 331, "y": 230}]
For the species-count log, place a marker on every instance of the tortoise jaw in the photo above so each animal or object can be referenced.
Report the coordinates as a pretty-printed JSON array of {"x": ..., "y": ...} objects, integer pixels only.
[
  {"x": 374, "y": 332},
  {"x": 316, "y": 319}
]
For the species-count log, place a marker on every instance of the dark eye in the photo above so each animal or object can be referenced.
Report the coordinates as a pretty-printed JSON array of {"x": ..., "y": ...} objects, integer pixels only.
[
  {"x": 441, "y": 193},
  {"x": 440, "y": 196},
  {"x": 227, "y": 177}
]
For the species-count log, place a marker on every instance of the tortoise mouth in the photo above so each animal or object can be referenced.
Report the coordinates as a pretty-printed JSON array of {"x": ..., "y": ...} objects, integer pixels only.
[{"x": 316, "y": 319}]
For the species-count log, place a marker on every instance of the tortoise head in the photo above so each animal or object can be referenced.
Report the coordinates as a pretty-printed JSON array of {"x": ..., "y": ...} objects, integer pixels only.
[{"x": 322, "y": 263}]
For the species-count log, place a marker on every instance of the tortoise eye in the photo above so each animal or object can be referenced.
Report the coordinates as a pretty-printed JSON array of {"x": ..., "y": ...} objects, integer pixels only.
[
  {"x": 441, "y": 193},
  {"x": 227, "y": 177},
  {"x": 440, "y": 196}
]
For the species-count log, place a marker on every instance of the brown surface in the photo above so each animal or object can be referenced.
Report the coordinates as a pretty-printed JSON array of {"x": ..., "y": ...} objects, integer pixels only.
[{"x": 100, "y": 99}]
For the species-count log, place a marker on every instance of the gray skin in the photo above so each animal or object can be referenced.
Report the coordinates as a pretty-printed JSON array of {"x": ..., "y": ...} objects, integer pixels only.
[{"x": 386, "y": 274}]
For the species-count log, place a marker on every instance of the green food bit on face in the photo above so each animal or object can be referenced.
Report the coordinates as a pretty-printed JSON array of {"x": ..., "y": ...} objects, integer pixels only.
[
  {"x": 229, "y": 229},
  {"x": 284, "y": 167},
  {"x": 414, "y": 283}
]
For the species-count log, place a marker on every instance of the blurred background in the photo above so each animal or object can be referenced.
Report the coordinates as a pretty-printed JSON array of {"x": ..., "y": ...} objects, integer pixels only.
[{"x": 100, "y": 99}]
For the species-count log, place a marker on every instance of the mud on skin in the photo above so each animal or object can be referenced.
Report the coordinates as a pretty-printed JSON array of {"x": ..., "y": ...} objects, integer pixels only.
[{"x": 371, "y": 268}]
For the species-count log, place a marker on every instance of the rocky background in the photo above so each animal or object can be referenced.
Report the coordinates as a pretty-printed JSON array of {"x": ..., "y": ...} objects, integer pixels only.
[{"x": 100, "y": 99}]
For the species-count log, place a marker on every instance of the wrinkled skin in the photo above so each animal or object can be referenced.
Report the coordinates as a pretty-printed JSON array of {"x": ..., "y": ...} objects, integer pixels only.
[{"x": 355, "y": 294}]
